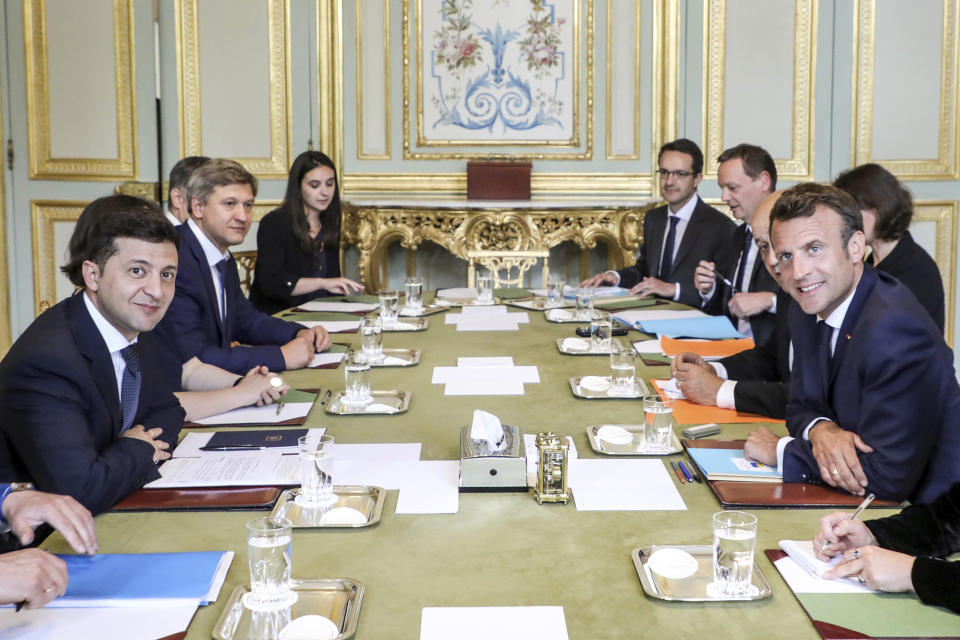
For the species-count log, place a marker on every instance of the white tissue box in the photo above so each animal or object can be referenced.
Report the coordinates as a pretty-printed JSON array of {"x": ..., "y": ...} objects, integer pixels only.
[{"x": 484, "y": 470}]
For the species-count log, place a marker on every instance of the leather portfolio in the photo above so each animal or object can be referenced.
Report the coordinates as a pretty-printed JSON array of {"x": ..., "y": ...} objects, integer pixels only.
[
  {"x": 199, "y": 499},
  {"x": 498, "y": 180},
  {"x": 779, "y": 495}
]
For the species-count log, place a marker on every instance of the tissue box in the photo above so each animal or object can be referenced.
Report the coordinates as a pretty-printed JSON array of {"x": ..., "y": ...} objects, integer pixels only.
[
  {"x": 485, "y": 470},
  {"x": 498, "y": 180}
]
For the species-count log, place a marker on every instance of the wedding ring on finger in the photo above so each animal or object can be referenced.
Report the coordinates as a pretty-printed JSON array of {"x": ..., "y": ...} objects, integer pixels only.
[
  {"x": 835, "y": 473},
  {"x": 48, "y": 589},
  {"x": 856, "y": 554}
]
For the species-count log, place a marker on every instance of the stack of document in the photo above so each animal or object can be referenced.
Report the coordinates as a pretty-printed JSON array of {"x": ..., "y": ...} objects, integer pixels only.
[
  {"x": 131, "y": 596},
  {"x": 342, "y": 307},
  {"x": 332, "y": 326},
  {"x": 296, "y": 406},
  {"x": 503, "y": 623},
  {"x": 623, "y": 485},
  {"x": 803, "y": 571},
  {"x": 489, "y": 318},
  {"x": 732, "y": 465},
  {"x": 486, "y": 376}
]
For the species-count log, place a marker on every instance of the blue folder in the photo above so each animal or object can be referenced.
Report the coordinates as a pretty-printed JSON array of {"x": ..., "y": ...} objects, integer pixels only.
[
  {"x": 141, "y": 575},
  {"x": 710, "y": 328},
  {"x": 719, "y": 462}
]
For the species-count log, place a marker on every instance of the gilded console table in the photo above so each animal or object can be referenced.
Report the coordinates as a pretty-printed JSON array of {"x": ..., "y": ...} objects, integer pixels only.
[{"x": 461, "y": 226}]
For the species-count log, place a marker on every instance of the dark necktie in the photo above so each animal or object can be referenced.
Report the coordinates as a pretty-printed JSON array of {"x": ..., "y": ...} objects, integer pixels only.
[
  {"x": 666, "y": 261},
  {"x": 824, "y": 334},
  {"x": 744, "y": 255},
  {"x": 129, "y": 386},
  {"x": 222, "y": 270}
]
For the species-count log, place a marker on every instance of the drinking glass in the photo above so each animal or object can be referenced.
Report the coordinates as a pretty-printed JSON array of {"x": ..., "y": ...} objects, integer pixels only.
[
  {"x": 584, "y": 303},
  {"x": 389, "y": 299},
  {"x": 555, "y": 291},
  {"x": 268, "y": 546},
  {"x": 601, "y": 324},
  {"x": 414, "y": 290},
  {"x": 734, "y": 538},
  {"x": 658, "y": 415},
  {"x": 357, "y": 378},
  {"x": 316, "y": 471},
  {"x": 623, "y": 369},
  {"x": 485, "y": 286},
  {"x": 371, "y": 337}
]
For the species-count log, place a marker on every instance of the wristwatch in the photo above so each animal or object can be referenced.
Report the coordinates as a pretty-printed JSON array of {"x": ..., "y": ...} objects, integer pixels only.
[{"x": 7, "y": 490}]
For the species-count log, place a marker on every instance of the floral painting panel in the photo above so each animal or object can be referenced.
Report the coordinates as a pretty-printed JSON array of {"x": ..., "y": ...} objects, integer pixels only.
[{"x": 498, "y": 70}]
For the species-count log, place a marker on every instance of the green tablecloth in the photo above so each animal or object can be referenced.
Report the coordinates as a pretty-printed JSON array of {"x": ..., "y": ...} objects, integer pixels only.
[{"x": 500, "y": 549}]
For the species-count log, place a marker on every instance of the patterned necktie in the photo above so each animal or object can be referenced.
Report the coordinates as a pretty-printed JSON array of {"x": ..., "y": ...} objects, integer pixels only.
[
  {"x": 744, "y": 255},
  {"x": 666, "y": 262},
  {"x": 222, "y": 270},
  {"x": 130, "y": 386}
]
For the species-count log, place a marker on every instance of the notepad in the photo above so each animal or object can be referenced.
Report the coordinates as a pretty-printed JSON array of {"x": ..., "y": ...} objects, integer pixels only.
[
  {"x": 731, "y": 464},
  {"x": 342, "y": 307}
]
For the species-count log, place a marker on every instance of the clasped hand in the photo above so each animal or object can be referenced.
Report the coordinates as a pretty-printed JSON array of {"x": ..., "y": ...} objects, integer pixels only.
[{"x": 835, "y": 450}]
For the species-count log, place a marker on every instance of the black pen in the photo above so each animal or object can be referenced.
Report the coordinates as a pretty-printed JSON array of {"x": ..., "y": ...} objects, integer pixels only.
[
  {"x": 683, "y": 468},
  {"x": 239, "y": 447},
  {"x": 725, "y": 281},
  {"x": 326, "y": 397},
  {"x": 693, "y": 471}
]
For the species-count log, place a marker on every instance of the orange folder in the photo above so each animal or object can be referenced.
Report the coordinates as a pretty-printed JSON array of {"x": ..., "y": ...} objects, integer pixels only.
[
  {"x": 705, "y": 348},
  {"x": 685, "y": 412}
]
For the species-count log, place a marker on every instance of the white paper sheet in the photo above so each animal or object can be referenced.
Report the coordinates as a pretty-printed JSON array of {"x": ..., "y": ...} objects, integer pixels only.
[
  {"x": 348, "y": 307},
  {"x": 320, "y": 359},
  {"x": 481, "y": 310},
  {"x": 632, "y": 316},
  {"x": 266, "y": 414},
  {"x": 648, "y": 346},
  {"x": 623, "y": 485},
  {"x": 502, "y": 623},
  {"x": 530, "y": 446},
  {"x": 802, "y": 582},
  {"x": 228, "y": 469},
  {"x": 102, "y": 623},
  {"x": 377, "y": 452},
  {"x": 432, "y": 486},
  {"x": 485, "y": 379},
  {"x": 332, "y": 326},
  {"x": 670, "y": 388},
  {"x": 189, "y": 447},
  {"x": 457, "y": 293},
  {"x": 485, "y": 361}
]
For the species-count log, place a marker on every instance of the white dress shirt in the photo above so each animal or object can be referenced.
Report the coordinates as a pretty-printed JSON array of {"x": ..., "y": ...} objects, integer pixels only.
[
  {"x": 114, "y": 339},
  {"x": 213, "y": 256}
]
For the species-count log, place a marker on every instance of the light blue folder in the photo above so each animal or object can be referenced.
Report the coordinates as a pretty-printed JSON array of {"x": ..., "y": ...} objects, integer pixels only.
[
  {"x": 141, "y": 575},
  {"x": 719, "y": 462},
  {"x": 710, "y": 328}
]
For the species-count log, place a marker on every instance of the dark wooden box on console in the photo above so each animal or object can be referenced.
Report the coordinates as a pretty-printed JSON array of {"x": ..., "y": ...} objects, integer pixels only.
[{"x": 498, "y": 180}]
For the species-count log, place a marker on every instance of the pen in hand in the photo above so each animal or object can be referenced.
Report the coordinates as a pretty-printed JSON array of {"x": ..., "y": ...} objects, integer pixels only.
[
  {"x": 276, "y": 383},
  {"x": 725, "y": 281},
  {"x": 856, "y": 514}
]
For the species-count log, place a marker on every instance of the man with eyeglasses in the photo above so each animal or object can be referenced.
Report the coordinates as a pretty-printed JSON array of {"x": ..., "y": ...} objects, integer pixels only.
[
  {"x": 676, "y": 236},
  {"x": 744, "y": 291}
]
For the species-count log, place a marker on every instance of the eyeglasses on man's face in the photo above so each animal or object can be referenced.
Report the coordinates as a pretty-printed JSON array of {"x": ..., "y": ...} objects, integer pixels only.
[{"x": 680, "y": 175}]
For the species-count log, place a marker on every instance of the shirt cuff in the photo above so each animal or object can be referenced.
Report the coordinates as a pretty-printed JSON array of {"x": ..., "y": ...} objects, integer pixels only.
[
  {"x": 720, "y": 370},
  {"x": 781, "y": 445},
  {"x": 806, "y": 430},
  {"x": 706, "y": 297},
  {"x": 773, "y": 308},
  {"x": 616, "y": 275},
  {"x": 725, "y": 396},
  {"x": 676, "y": 295}
]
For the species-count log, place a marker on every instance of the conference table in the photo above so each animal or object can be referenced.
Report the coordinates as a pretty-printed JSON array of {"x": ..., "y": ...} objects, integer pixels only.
[{"x": 499, "y": 549}]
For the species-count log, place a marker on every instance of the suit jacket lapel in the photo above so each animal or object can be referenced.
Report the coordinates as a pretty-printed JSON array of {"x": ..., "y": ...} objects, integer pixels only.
[
  {"x": 193, "y": 245},
  {"x": 91, "y": 344},
  {"x": 690, "y": 235},
  {"x": 655, "y": 242}
]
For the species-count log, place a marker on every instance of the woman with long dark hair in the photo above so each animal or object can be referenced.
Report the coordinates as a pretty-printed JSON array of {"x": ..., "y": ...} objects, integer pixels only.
[{"x": 298, "y": 244}]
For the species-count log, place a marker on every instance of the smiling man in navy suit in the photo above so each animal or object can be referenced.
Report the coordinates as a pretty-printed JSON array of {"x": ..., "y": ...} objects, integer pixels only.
[
  {"x": 209, "y": 312},
  {"x": 84, "y": 408},
  {"x": 874, "y": 402}
]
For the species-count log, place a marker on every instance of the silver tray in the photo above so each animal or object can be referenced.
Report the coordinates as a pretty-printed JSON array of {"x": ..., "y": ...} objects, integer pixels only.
[
  {"x": 366, "y": 500},
  {"x": 639, "y": 390},
  {"x": 584, "y": 352},
  {"x": 426, "y": 310},
  {"x": 338, "y": 599},
  {"x": 398, "y": 401},
  {"x": 552, "y": 317},
  {"x": 635, "y": 448},
  {"x": 694, "y": 588},
  {"x": 407, "y": 324},
  {"x": 398, "y": 358}
]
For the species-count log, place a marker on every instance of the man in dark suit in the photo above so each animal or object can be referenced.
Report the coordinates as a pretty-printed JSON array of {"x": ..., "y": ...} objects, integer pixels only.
[
  {"x": 746, "y": 175},
  {"x": 84, "y": 408},
  {"x": 874, "y": 402},
  {"x": 209, "y": 311},
  {"x": 677, "y": 235},
  {"x": 755, "y": 380}
]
